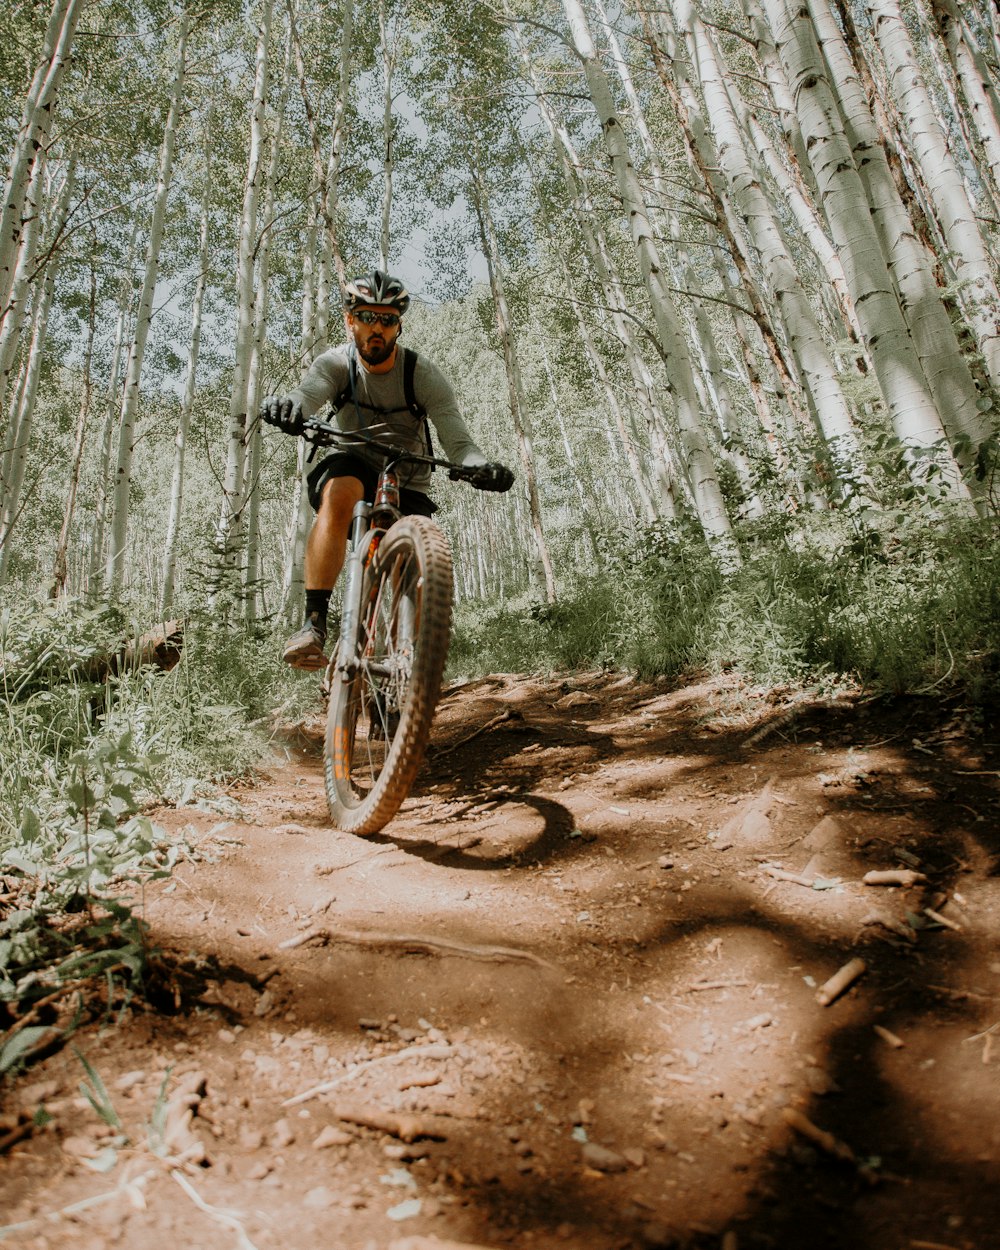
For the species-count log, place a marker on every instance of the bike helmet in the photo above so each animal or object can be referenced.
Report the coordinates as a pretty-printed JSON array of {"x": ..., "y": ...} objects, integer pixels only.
[{"x": 376, "y": 287}]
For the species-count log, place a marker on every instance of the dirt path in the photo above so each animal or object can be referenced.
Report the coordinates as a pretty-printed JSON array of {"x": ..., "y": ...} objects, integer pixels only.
[{"x": 567, "y": 998}]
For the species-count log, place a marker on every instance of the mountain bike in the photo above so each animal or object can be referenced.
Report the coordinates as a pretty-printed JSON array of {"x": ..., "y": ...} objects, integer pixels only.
[{"x": 385, "y": 673}]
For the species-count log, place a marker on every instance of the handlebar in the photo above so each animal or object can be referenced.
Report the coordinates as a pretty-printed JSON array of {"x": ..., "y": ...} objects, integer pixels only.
[{"x": 323, "y": 434}]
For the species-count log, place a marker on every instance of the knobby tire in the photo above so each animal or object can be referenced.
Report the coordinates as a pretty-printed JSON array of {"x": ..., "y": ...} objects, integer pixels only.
[{"x": 379, "y": 719}]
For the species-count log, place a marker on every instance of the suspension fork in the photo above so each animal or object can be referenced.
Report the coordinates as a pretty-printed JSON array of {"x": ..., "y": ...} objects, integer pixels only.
[{"x": 357, "y": 564}]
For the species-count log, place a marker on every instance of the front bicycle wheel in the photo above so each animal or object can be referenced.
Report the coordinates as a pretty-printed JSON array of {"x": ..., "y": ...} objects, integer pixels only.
[{"x": 382, "y": 706}]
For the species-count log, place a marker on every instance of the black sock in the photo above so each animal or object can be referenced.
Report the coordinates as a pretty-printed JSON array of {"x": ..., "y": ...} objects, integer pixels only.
[{"x": 317, "y": 605}]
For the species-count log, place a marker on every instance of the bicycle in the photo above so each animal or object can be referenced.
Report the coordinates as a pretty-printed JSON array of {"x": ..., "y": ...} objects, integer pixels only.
[{"x": 385, "y": 673}]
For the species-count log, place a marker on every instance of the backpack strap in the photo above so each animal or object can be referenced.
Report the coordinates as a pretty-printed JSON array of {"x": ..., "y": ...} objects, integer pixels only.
[
  {"x": 409, "y": 368},
  {"x": 409, "y": 394},
  {"x": 351, "y": 388}
]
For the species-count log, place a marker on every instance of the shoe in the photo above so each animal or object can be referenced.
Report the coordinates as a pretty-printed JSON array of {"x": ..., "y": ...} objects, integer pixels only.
[{"x": 305, "y": 648}]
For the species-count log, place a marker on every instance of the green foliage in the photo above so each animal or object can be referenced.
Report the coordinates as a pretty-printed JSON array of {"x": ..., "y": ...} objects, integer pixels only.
[
  {"x": 79, "y": 761},
  {"x": 903, "y": 610}
]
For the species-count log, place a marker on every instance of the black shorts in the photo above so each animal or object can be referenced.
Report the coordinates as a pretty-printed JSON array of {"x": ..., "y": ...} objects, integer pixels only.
[{"x": 343, "y": 464}]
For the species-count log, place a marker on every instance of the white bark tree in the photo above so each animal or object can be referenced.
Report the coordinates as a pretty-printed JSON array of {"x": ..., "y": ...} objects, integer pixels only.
[
  {"x": 969, "y": 256},
  {"x": 229, "y": 526},
  {"x": 699, "y": 464},
  {"x": 114, "y": 572},
  {"x": 35, "y": 123},
  {"x": 913, "y": 414}
]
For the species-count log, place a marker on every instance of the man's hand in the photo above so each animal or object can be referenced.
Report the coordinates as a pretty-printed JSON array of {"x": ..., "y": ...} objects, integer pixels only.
[
  {"x": 492, "y": 477},
  {"x": 281, "y": 411}
]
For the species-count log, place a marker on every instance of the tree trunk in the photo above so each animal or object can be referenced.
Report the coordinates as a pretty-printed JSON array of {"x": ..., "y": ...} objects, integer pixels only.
[
  {"x": 229, "y": 527},
  {"x": 59, "y": 563},
  {"x": 389, "y": 55},
  {"x": 817, "y": 369},
  {"x": 946, "y": 370},
  {"x": 254, "y": 584},
  {"x": 708, "y": 498},
  {"x": 115, "y": 567},
  {"x": 914, "y": 417},
  {"x": 168, "y": 576},
  {"x": 977, "y": 86},
  {"x": 969, "y": 256},
  {"x": 36, "y": 120},
  {"x": 518, "y": 400}
]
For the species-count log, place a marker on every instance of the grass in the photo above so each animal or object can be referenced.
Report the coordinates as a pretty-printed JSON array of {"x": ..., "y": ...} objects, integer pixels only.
[{"x": 906, "y": 612}]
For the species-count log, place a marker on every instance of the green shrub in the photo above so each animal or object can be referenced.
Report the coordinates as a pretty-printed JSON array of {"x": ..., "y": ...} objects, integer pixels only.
[{"x": 901, "y": 611}]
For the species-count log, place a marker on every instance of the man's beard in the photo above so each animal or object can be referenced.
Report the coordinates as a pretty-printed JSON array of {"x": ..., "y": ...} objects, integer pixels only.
[{"x": 375, "y": 355}]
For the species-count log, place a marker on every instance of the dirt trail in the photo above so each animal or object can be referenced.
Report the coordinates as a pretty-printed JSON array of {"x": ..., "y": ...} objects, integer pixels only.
[{"x": 567, "y": 998}]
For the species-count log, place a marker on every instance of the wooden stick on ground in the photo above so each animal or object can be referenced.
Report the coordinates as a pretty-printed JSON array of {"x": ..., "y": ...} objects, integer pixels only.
[
  {"x": 825, "y": 1141},
  {"x": 437, "y": 752},
  {"x": 894, "y": 876},
  {"x": 429, "y": 945},
  {"x": 840, "y": 981}
]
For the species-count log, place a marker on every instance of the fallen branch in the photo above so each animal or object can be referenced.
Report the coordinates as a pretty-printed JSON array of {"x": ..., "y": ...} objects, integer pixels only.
[
  {"x": 225, "y": 1218},
  {"x": 942, "y": 920},
  {"x": 434, "y": 1051},
  {"x": 433, "y": 946},
  {"x": 889, "y": 1037},
  {"x": 894, "y": 876},
  {"x": 490, "y": 724},
  {"x": 714, "y": 985},
  {"x": 826, "y": 1141},
  {"x": 840, "y": 981},
  {"x": 781, "y": 874},
  {"x": 406, "y": 1127}
]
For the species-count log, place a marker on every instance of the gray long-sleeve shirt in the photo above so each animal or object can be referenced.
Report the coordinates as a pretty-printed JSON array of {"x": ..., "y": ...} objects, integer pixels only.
[{"x": 329, "y": 375}]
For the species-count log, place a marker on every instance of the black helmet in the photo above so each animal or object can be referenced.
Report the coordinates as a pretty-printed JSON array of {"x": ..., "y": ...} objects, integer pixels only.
[{"x": 376, "y": 287}]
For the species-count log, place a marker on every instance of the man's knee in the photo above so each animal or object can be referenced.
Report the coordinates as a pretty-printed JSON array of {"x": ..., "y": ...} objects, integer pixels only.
[{"x": 338, "y": 498}]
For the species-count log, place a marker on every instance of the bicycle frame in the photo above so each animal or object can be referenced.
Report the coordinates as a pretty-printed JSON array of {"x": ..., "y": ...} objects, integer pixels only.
[{"x": 368, "y": 523}]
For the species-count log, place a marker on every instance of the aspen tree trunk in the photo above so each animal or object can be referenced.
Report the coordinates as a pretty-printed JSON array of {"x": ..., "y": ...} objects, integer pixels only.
[
  {"x": 518, "y": 399},
  {"x": 687, "y": 108},
  {"x": 715, "y": 384},
  {"x": 112, "y": 409},
  {"x": 947, "y": 372},
  {"x": 10, "y": 330},
  {"x": 911, "y": 409},
  {"x": 700, "y": 468},
  {"x": 338, "y": 141},
  {"x": 583, "y": 491},
  {"x": 254, "y": 586},
  {"x": 579, "y": 199},
  {"x": 781, "y": 94},
  {"x": 969, "y": 257},
  {"x": 35, "y": 122},
  {"x": 975, "y": 82},
  {"x": 21, "y": 441},
  {"x": 293, "y": 580},
  {"x": 327, "y": 171},
  {"x": 57, "y": 586},
  {"x": 388, "y": 130},
  {"x": 657, "y": 468},
  {"x": 817, "y": 369},
  {"x": 17, "y": 432},
  {"x": 806, "y": 218},
  {"x": 168, "y": 575},
  {"x": 115, "y": 567},
  {"x": 228, "y": 529}
]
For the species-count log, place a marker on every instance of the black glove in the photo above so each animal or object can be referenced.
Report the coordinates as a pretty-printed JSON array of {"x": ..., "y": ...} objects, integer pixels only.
[
  {"x": 281, "y": 411},
  {"x": 492, "y": 477}
]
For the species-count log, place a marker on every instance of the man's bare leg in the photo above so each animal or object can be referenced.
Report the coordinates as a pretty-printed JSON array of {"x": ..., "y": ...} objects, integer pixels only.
[{"x": 326, "y": 548}]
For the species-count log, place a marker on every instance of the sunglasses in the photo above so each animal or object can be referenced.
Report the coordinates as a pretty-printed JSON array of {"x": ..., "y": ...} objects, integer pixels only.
[{"x": 369, "y": 318}]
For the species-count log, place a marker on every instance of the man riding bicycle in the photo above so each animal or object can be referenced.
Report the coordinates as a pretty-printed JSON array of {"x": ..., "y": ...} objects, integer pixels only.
[{"x": 387, "y": 393}]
